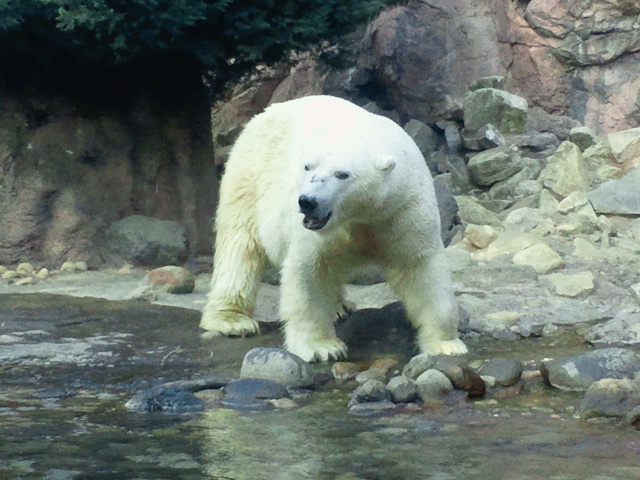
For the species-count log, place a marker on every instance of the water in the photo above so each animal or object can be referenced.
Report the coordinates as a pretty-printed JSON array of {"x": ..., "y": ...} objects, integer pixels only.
[{"x": 60, "y": 420}]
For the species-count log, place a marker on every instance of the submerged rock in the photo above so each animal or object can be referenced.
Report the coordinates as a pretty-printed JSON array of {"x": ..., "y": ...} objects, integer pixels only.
[{"x": 253, "y": 394}]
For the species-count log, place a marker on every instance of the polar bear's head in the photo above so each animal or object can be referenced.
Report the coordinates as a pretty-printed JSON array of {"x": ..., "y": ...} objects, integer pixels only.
[{"x": 340, "y": 190}]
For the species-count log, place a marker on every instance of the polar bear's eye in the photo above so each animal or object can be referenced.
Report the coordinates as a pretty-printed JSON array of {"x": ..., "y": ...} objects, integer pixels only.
[{"x": 341, "y": 175}]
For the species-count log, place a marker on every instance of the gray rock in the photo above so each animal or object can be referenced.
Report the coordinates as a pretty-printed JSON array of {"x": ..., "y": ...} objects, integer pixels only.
[
  {"x": 470, "y": 211},
  {"x": 620, "y": 196},
  {"x": 253, "y": 394},
  {"x": 172, "y": 279},
  {"x": 277, "y": 365},
  {"x": 491, "y": 166},
  {"x": 566, "y": 171},
  {"x": 447, "y": 207},
  {"x": 371, "y": 408},
  {"x": 433, "y": 385},
  {"x": 425, "y": 137},
  {"x": 611, "y": 398},
  {"x": 148, "y": 241},
  {"x": 418, "y": 365},
  {"x": 506, "y": 111},
  {"x": 577, "y": 373},
  {"x": 402, "y": 389},
  {"x": 539, "y": 120},
  {"x": 370, "y": 391},
  {"x": 582, "y": 137},
  {"x": 506, "y": 371},
  {"x": 623, "y": 329},
  {"x": 484, "y": 138},
  {"x": 494, "y": 81}
]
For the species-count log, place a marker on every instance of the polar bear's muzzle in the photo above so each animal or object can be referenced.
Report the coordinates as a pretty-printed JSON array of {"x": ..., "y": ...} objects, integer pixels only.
[{"x": 315, "y": 217}]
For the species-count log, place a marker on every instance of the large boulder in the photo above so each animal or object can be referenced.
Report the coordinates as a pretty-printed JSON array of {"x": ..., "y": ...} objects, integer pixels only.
[
  {"x": 506, "y": 111},
  {"x": 147, "y": 241},
  {"x": 620, "y": 196},
  {"x": 565, "y": 171},
  {"x": 494, "y": 165}
]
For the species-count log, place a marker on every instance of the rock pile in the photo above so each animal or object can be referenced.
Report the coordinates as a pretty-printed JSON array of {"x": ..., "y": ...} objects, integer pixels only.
[{"x": 26, "y": 274}]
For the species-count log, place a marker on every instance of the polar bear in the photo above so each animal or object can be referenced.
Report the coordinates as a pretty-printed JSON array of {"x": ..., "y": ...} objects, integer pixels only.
[{"x": 319, "y": 186}]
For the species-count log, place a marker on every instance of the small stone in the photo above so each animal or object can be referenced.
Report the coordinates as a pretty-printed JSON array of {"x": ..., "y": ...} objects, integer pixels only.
[
  {"x": 277, "y": 365},
  {"x": 344, "y": 371},
  {"x": 418, "y": 364},
  {"x": 68, "y": 267},
  {"x": 9, "y": 274},
  {"x": 582, "y": 137},
  {"x": 402, "y": 389},
  {"x": 370, "y": 391},
  {"x": 570, "y": 285},
  {"x": 539, "y": 256},
  {"x": 25, "y": 281},
  {"x": 433, "y": 385},
  {"x": 43, "y": 273},
  {"x": 174, "y": 280},
  {"x": 505, "y": 371},
  {"x": 24, "y": 269},
  {"x": 480, "y": 236}
]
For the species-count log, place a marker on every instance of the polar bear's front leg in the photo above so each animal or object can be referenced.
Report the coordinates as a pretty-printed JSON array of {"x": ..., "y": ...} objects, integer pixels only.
[
  {"x": 308, "y": 309},
  {"x": 427, "y": 292}
]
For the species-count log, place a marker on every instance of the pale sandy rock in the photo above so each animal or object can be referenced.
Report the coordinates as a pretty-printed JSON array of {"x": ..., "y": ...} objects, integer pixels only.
[
  {"x": 68, "y": 267},
  {"x": 570, "y": 285},
  {"x": 635, "y": 292},
  {"x": 583, "y": 248},
  {"x": 528, "y": 220},
  {"x": 43, "y": 273},
  {"x": 505, "y": 318},
  {"x": 25, "y": 281},
  {"x": 507, "y": 243},
  {"x": 539, "y": 256},
  {"x": 470, "y": 211},
  {"x": 547, "y": 202},
  {"x": 625, "y": 145},
  {"x": 566, "y": 171},
  {"x": 9, "y": 274},
  {"x": 3, "y": 269},
  {"x": 24, "y": 269},
  {"x": 481, "y": 236}
]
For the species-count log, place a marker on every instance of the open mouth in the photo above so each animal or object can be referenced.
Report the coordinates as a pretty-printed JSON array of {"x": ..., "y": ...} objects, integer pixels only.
[{"x": 315, "y": 223}]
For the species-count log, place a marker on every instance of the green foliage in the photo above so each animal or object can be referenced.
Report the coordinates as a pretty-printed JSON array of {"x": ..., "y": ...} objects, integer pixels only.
[{"x": 227, "y": 37}]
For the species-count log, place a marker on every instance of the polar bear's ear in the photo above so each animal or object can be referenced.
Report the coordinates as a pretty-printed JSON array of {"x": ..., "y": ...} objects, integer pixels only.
[{"x": 386, "y": 163}]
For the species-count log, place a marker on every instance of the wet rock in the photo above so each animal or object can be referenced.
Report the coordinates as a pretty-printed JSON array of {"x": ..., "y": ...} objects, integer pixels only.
[
  {"x": 378, "y": 370},
  {"x": 277, "y": 365},
  {"x": 402, "y": 389},
  {"x": 461, "y": 376},
  {"x": 253, "y": 393},
  {"x": 433, "y": 385},
  {"x": 172, "y": 279},
  {"x": 505, "y": 371},
  {"x": 174, "y": 397},
  {"x": 565, "y": 171},
  {"x": 577, "y": 373},
  {"x": 372, "y": 408},
  {"x": 418, "y": 365},
  {"x": 494, "y": 165},
  {"x": 611, "y": 398},
  {"x": 148, "y": 241},
  {"x": 506, "y": 111},
  {"x": 539, "y": 256},
  {"x": 624, "y": 329},
  {"x": 370, "y": 391},
  {"x": 620, "y": 196},
  {"x": 344, "y": 371},
  {"x": 570, "y": 285}
]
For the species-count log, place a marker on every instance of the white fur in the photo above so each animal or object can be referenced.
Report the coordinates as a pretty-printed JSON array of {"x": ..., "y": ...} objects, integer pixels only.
[{"x": 369, "y": 174}]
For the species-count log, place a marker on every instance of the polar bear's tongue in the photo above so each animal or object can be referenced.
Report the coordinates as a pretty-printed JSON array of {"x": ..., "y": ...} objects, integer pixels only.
[{"x": 315, "y": 223}]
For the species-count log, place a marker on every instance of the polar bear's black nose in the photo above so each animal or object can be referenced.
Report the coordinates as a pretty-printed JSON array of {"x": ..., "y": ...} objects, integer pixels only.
[{"x": 307, "y": 204}]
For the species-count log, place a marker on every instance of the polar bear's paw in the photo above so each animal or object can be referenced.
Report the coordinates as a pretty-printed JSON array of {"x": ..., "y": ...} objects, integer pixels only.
[
  {"x": 319, "y": 349},
  {"x": 345, "y": 309},
  {"x": 231, "y": 324},
  {"x": 446, "y": 347}
]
